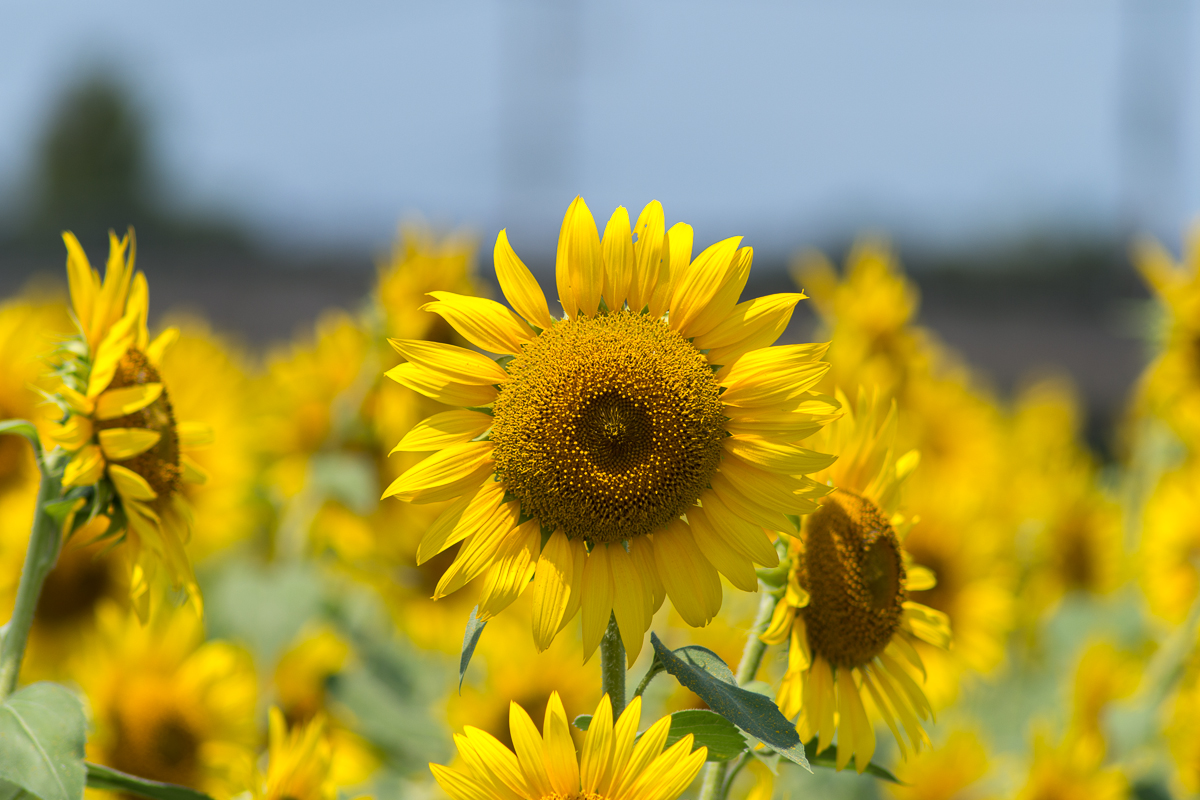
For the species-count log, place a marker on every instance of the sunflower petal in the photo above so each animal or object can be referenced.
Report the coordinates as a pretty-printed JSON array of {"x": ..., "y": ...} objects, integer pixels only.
[
  {"x": 500, "y": 760},
  {"x": 478, "y": 550},
  {"x": 456, "y": 364},
  {"x": 443, "y": 430},
  {"x": 439, "y": 388},
  {"x": 527, "y": 743},
  {"x": 690, "y": 580},
  {"x": 631, "y": 603},
  {"x": 650, "y": 230},
  {"x": 597, "y": 747},
  {"x": 562, "y": 765},
  {"x": 156, "y": 350},
  {"x": 927, "y": 623},
  {"x": 126, "y": 400},
  {"x": 484, "y": 323},
  {"x": 552, "y": 588},
  {"x": 597, "y": 599},
  {"x": 518, "y": 284},
  {"x": 454, "y": 466},
  {"x": 730, "y": 563},
  {"x": 619, "y": 259},
  {"x": 579, "y": 265},
  {"x": 129, "y": 484},
  {"x": 194, "y": 435},
  {"x": 510, "y": 572},
  {"x": 193, "y": 473},
  {"x": 700, "y": 282},
  {"x": 460, "y": 520},
  {"x": 72, "y": 434},
  {"x": 460, "y": 786},
  {"x": 119, "y": 444},
  {"x": 774, "y": 456},
  {"x": 85, "y": 467}
]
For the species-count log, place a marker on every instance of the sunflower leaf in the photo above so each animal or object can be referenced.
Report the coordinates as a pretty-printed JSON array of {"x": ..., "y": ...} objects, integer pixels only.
[
  {"x": 470, "y": 638},
  {"x": 704, "y": 672},
  {"x": 722, "y": 738},
  {"x": 42, "y": 733},
  {"x": 828, "y": 759},
  {"x": 22, "y": 427},
  {"x": 99, "y": 777}
]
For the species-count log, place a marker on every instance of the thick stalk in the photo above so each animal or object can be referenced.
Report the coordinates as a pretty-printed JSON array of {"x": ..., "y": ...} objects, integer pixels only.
[
  {"x": 716, "y": 785},
  {"x": 612, "y": 667},
  {"x": 44, "y": 543}
]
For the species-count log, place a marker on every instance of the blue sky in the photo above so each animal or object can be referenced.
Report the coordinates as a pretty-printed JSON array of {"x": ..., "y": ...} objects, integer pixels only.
[{"x": 938, "y": 122}]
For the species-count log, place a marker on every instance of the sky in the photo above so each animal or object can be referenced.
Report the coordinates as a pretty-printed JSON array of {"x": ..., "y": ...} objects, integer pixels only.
[{"x": 941, "y": 123}]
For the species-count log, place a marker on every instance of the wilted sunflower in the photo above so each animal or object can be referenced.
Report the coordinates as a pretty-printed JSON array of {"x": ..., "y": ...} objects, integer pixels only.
[
  {"x": 636, "y": 447},
  {"x": 117, "y": 423},
  {"x": 616, "y": 764},
  {"x": 845, "y": 615}
]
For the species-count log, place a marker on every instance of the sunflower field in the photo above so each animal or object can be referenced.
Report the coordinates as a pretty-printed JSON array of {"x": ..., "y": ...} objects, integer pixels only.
[{"x": 618, "y": 538}]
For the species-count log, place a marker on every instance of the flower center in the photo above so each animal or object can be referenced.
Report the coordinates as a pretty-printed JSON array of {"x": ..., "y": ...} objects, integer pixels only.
[
  {"x": 609, "y": 427},
  {"x": 156, "y": 743},
  {"x": 160, "y": 464},
  {"x": 80, "y": 579},
  {"x": 852, "y": 569}
]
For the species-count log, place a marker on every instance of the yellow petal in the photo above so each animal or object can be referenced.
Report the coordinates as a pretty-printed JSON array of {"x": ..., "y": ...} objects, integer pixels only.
[
  {"x": 108, "y": 354},
  {"x": 460, "y": 520},
  {"x": 511, "y": 569},
  {"x": 680, "y": 236},
  {"x": 518, "y": 284},
  {"x": 527, "y": 743},
  {"x": 119, "y": 444},
  {"x": 479, "y": 550},
  {"x": 780, "y": 628},
  {"x": 578, "y": 560},
  {"x": 597, "y": 747},
  {"x": 630, "y": 601},
  {"x": 161, "y": 344},
  {"x": 663, "y": 777},
  {"x": 72, "y": 434},
  {"x": 641, "y": 550},
  {"x": 745, "y": 537},
  {"x": 459, "y": 786},
  {"x": 772, "y": 376},
  {"x": 730, "y": 563},
  {"x": 767, "y": 517},
  {"x": 774, "y": 456},
  {"x": 749, "y": 326},
  {"x": 597, "y": 600},
  {"x": 457, "y": 464},
  {"x": 854, "y": 716},
  {"x": 484, "y": 323},
  {"x": 456, "y": 364},
  {"x": 919, "y": 579},
  {"x": 436, "y": 386},
  {"x": 83, "y": 283},
  {"x": 443, "y": 430},
  {"x": 193, "y": 435},
  {"x": 579, "y": 266},
  {"x": 77, "y": 402},
  {"x": 624, "y": 733},
  {"x": 883, "y": 710},
  {"x": 193, "y": 473},
  {"x": 502, "y": 761},
  {"x": 618, "y": 258},
  {"x": 645, "y": 751},
  {"x": 927, "y": 623},
  {"x": 700, "y": 282},
  {"x": 552, "y": 588},
  {"x": 767, "y": 489},
  {"x": 647, "y": 250},
  {"x": 130, "y": 485},
  {"x": 562, "y": 765},
  {"x": 85, "y": 468},
  {"x": 126, "y": 400},
  {"x": 691, "y": 581}
]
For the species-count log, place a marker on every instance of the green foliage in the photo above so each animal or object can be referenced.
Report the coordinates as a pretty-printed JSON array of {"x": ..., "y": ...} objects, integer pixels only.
[
  {"x": 470, "y": 639},
  {"x": 703, "y": 671},
  {"x": 722, "y": 738},
  {"x": 22, "y": 427},
  {"x": 42, "y": 734},
  {"x": 99, "y": 777}
]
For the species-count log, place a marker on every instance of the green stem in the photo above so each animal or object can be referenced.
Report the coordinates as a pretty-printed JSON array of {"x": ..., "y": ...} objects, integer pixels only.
[
  {"x": 655, "y": 668},
  {"x": 44, "y": 544},
  {"x": 612, "y": 667},
  {"x": 717, "y": 781}
]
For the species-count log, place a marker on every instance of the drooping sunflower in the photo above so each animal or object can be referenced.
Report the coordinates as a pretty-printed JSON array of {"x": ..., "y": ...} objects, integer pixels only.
[
  {"x": 616, "y": 764},
  {"x": 633, "y": 449},
  {"x": 845, "y": 615},
  {"x": 118, "y": 426}
]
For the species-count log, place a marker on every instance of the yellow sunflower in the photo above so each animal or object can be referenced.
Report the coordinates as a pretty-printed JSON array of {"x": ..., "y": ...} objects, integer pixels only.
[
  {"x": 952, "y": 771},
  {"x": 636, "y": 448},
  {"x": 845, "y": 615},
  {"x": 166, "y": 706},
  {"x": 299, "y": 764},
  {"x": 616, "y": 764},
  {"x": 1170, "y": 386},
  {"x": 1170, "y": 576},
  {"x": 118, "y": 426}
]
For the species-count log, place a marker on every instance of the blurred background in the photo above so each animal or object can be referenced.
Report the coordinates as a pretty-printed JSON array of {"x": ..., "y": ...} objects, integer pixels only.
[{"x": 265, "y": 152}]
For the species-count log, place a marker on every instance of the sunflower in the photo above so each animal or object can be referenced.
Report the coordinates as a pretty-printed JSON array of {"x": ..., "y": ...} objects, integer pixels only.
[
  {"x": 845, "y": 615},
  {"x": 1170, "y": 386},
  {"x": 616, "y": 763},
  {"x": 118, "y": 426},
  {"x": 633, "y": 449},
  {"x": 952, "y": 771},
  {"x": 300, "y": 762},
  {"x": 166, "y": 706},
  {"x": 1170, "y": 576}
]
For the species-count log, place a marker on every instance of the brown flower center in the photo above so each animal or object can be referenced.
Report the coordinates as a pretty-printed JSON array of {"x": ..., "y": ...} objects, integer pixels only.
[
  {"x": 852, "y": 569},
  {"x": 160, "y": 464},
  {"x": 609, "y": 427},
  {"x": 155, "y": 742}
]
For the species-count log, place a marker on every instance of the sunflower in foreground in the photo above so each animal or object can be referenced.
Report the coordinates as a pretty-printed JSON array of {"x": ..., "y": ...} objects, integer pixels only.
[
  {"x": 633, "y": 449},
  {"x": 616, "y": 764},
  {"x": 845, "y": 614},
  {"x": 117, "y": 424}
]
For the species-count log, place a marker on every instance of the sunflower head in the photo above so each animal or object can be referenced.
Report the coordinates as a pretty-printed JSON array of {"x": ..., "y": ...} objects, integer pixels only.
[
  {"x": 119, "y": 447},
  {"x": 545, "y": 766},
  {"x": 639, "y": 446},
  {"x": 845, "y": 612}
]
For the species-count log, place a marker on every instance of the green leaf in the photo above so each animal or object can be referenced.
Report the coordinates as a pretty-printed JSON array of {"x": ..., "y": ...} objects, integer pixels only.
[
  {"x": 470, "y": 639},
  {"x": 99, "y": 777},
  {"x": 10, "y": 791},
  {"x": 42, "y": 733},
  {"x": 21, "y": 427},
  {"x": 828, "y": 759},
  {"x": 722, "y": 738},
  {"x": 704, "y": 672},
  {"x": 583, "y": 721}
]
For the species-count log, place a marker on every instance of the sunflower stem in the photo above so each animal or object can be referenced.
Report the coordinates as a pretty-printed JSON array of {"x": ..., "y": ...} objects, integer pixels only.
[
  {"x": 717, "y": 781},
  {"x": 612, "y": 666},
  {"x": 44, "y": 543}
]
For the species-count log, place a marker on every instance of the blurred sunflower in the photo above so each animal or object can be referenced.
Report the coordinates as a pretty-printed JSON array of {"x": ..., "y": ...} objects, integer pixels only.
[
  {"x": 633, "y": 449},
  {"x": 616, "y": 763},
  {"x": 118, "y": 426},
  {"x": 1067, "y": 773},
  {"x": 299, "y": 762},
  {"x": 845, "y": 614},
  {"x": 950, "y": 771},
  {"x": 1170, "y": 386},
  {"x": 165, "y": 706},
  {"x": 1169, "y": 572}
]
